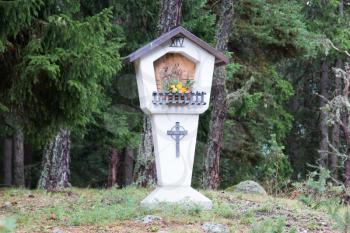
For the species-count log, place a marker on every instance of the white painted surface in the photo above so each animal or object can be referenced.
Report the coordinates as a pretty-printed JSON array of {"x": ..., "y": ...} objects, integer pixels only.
[
  {"x": 174, "y": 173},
  {"x": 202, "y": 79},
  {"x": 176, "y": 194}
]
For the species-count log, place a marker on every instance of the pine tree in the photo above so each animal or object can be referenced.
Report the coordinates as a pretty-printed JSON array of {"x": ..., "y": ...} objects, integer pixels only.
[{"x": 63, "y": 60}]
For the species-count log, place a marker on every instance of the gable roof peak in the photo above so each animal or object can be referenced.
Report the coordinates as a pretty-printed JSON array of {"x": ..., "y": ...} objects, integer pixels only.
[{"x": 220, "y": 58}]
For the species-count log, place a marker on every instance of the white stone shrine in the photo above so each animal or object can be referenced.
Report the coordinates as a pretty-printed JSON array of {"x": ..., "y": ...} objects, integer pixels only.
[{"x": 174, "y": 77}]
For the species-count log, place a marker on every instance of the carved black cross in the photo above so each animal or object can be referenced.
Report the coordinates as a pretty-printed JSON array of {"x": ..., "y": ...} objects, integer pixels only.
[{"x": 177, "y": 133}]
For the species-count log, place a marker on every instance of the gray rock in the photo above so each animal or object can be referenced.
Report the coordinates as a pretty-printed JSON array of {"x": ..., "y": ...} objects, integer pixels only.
[
  {"x": 148, "y": 219},
  {"x": 215, "y": 228},
  {"x": 6, "y": 205},
  {"x": 249, "y": 186},
  {"x": 57, "y": 230}
]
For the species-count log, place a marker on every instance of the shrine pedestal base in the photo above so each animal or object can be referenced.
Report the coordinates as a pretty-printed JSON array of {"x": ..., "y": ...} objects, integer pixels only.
[{"x": 176, "y": 195}]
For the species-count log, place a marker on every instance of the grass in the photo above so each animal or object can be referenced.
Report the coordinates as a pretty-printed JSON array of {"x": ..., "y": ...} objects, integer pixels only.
[{"x": 115, "y": 210}]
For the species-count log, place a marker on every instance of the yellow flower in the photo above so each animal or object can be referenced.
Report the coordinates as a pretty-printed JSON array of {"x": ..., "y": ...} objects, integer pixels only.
[
  {"x": 179, "y": 85},
  {"x": 183, "y": 90}
]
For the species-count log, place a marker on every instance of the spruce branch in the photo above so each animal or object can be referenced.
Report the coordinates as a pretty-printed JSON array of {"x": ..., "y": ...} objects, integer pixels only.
[{"x": 240, "y": 93}]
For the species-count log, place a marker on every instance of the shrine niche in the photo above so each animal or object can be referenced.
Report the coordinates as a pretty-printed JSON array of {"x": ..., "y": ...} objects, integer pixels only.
[
  {"x": 172, "y": 69},
  {"x": 174, "y": 76}
]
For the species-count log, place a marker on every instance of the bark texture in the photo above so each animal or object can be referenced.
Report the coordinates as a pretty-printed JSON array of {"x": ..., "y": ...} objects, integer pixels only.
[
  {"x": 28, "y": 159},
  {"x": 218, "y": 99},
  {"x": 18, "y": 159},
  {"x": 170, "y": 15},
  {"x": 333, "y": 158},
  {"x": 7, "y": 153},
  {"x": 128, "y": 166},
  {"x": 336, "y": 127},
  {"x": 344, "y": 126},
  {"x": 324, "y": 86},
  {"x": 112, "y": 168},
  {"x": 55, "y": 166},
  {"x": 294, "y": 150},
  {"x": 145, "y": 169}
]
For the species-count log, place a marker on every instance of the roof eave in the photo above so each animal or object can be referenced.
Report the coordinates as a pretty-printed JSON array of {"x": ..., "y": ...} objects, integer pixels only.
[{"x": 220, "y": 58}]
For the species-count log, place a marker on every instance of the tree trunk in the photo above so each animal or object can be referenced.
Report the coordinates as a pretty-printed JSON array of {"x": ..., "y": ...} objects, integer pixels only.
[
  {"x": 324, "y": 85},
  {"x": 293, "y": 145},
  {"x": 347, "y": 170},
  {"x": 345, "y": 128},
  {"x": 7, "y": 149},
  {"x": 18, "y": 159},
  {"x": 55, "y": 166},
  {"x": 145, "y": 171},
  {"x": 112, "y": 168},
  {"x": 128, "y": 165},
  {"x": 170, "y": 15},
  {"x": 28, "y": 160},
  {"x": 336, "y": 129},
  {"x": 218, "y": 99}
]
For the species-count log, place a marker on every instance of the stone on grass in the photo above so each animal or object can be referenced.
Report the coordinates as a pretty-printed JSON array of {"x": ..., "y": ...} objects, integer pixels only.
[
  {"x": 148, "y": 219},
  {"x": 57, "y": 230},
  {"x": 249, "y": 187},
  {"x": 214, "y": 228},
  {"x": 6, "y": 205}
]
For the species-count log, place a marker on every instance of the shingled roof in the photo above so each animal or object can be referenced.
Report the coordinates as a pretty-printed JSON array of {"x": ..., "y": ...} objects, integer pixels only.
[{"x": 220, "y": 58}]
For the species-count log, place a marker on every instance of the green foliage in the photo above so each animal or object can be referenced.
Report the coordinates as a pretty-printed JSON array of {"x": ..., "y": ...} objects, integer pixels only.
[
  {"x": 265, "y": 33},
  {"x": 137, "y": 18},
  {"x": 16, "y": 15},
  {"x": 232, "y": 67},
  {"x": 117, "y": 127},
  {"x": 250, "y": 123},
  {"x": 317, "y": 191},
  {"x": 271, "y": 226},
  {"x": 199, "y": 19},
  {"x": 224, "y": 209},
  {"x": 265, "y": 107},
  {"x": 60, "y": 67},
  {"x": 277, "y": 26},
  {"x": 317, "y": 181},
  {"x": 56, "y": 65},
  {"x": 274, "y": 170},
  {"x": 70, "y": 72},
  {"x": 326, "y": 22},
  {"x": 7, "y": 225},
  {"x": 340, "y": 215}
]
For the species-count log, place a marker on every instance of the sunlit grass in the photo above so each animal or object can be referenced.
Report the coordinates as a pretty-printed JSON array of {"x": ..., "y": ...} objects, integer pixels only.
[{"x": 39, "y": 211}]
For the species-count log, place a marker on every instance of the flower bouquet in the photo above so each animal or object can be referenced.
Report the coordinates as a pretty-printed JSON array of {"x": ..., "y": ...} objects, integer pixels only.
[{"x": 172, "y": 80}]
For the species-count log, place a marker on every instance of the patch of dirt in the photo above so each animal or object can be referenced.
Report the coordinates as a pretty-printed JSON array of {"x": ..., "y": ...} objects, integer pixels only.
[
  {"x": 129, "y": 226},
  {"x": 304, "y": 220},
  {"x": 30, "y": 203}
]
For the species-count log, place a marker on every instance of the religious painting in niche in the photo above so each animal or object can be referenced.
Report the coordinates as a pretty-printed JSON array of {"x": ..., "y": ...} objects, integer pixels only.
[{"x": 174, "y": 73}]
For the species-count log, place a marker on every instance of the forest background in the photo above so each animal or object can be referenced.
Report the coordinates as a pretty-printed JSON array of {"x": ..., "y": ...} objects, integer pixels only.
[{"x": 69, "y": 110}]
